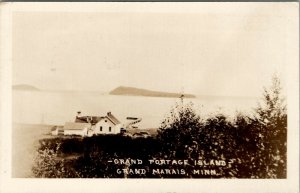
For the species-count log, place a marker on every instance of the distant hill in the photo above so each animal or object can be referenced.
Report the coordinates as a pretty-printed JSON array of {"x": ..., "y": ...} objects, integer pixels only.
[
  {"x": 122, "y": 90},
  {"x": 24, "y": 87}
]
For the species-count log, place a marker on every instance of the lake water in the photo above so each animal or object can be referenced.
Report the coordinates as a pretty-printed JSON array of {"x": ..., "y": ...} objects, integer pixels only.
[{"x": 56, "y": 108}]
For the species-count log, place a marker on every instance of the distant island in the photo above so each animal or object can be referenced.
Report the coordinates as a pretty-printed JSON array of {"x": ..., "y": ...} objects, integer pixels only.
[
  {"x": 131, "y": 91},
  {"x": 24, "y": 87}
]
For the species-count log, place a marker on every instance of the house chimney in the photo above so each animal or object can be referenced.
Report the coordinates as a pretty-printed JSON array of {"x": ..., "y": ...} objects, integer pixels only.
[
  {"x": 108, "y": 113},
  {"x": 78, "y": 113}
]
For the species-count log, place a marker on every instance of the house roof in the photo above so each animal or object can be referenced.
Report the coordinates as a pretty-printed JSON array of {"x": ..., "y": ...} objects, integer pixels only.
[
  {"x": 95, "y": 119},
  {"x": 113, "y": 118},
  {"x": 76, "y": 126}
]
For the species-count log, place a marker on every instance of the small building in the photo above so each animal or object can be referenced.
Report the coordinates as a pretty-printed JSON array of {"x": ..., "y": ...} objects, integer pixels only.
[
  {"x": 57, "y": 130},
  {"x": 71, "y": 128}
]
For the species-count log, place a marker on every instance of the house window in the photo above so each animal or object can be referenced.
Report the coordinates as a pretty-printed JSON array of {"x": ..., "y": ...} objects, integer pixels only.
[
  {"x": 105, "y": 120},
  {"x": 101, "y": 128},
  {"x": 109, "y": 129}
]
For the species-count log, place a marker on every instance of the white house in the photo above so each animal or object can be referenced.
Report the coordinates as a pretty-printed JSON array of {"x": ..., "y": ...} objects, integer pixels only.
[{"x": 108, "y": 125}]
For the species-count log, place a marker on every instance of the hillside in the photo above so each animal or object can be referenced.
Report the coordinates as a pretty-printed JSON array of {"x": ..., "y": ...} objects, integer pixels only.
[
  {"x": 122, "y": 90},
  {"x": 24, "y": 87}
]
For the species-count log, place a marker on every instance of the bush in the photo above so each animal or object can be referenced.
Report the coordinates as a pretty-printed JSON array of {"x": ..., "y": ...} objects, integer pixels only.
[{"x": 48, "y": 164}]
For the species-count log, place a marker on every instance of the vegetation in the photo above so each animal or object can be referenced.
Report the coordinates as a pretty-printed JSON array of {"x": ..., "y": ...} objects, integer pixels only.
[
  {"x": 271, "y": 127},
  {"x": 250, "y": 146}
]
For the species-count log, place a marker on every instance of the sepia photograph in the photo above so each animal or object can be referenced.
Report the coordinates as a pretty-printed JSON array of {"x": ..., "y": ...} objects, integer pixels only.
[{"x": 153, "y": 91}]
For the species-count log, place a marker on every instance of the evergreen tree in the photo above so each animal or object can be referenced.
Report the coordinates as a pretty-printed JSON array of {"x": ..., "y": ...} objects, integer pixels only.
[
  {"x": 271, "y": 126},
  {"x": 179, "y": 132}
]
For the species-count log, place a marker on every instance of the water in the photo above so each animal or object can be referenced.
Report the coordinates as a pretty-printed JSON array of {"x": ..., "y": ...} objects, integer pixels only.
[{"x": 56, "y": 108}]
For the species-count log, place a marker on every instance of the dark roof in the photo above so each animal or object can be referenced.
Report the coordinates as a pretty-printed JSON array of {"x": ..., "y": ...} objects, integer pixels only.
[
  {"x": 88, "y": 119},
  {"x": 96, "y": 119}
]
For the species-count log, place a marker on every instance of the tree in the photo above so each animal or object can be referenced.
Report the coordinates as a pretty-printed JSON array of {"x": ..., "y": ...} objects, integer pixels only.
[
  {"x": 179, "y": 131},
  {"x": 271, "y": 125}
]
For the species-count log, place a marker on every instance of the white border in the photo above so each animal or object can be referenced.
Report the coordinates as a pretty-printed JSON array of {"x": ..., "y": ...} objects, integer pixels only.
[{"x": 8, "y": 184}]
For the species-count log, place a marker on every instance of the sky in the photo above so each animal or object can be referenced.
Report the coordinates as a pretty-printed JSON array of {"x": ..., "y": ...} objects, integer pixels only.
[{"x": 205, "y": 52}]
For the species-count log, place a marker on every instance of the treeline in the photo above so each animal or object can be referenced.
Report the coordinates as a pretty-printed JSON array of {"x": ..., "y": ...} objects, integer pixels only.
[{"x": 251, "y": 146}]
